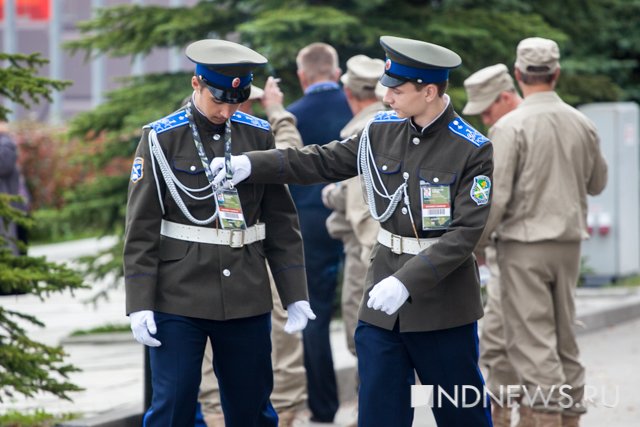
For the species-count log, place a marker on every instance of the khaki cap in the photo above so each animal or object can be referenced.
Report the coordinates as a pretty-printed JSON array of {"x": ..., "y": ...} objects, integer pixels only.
[
  {"x": 536, "y": 55},
  {"x": 484, "y": 86},
  {"x": 256, "y": 93},
  {"x": 362, "y": 73}
]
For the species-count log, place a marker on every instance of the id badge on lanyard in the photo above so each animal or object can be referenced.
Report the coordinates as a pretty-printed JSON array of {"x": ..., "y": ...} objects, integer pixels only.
[
  {"x": 436, "y": 206},
  {"x": 227, "y": 199}
]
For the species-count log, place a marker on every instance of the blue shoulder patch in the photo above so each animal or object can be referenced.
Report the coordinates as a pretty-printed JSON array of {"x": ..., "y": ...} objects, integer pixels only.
[
  {"x": 387, "y": 116},
  {"x": 173, "y": 120},
  {"x": 463, "y": 129},
  {"x": 250, "y": 120}
]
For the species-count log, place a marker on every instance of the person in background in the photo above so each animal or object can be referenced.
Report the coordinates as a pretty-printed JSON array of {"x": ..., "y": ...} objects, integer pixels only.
[
  {"x": 350, "y": 220},
  {"x": 289, "y": 394},
  {"x": 491, "y": 94},
  {"x": 12, "y": 183},
  {"x": 547, "y": 159},
  {"x": 188, "y": 245},
  {"x": 321, "y": 113}
]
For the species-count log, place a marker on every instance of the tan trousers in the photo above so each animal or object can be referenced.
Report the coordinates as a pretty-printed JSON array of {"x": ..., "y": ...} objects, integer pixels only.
[
  {"x": 493, "y": 347},
  {"x": 538, "y": 282},
  {"x": 290, "y": 381},
  {"x": 355, "y": 271}
]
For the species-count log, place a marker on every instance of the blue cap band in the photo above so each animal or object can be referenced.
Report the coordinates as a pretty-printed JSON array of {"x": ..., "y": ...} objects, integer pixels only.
[
  {"x": 427, "y": 75},
  {"x": 221, "y": 80}
]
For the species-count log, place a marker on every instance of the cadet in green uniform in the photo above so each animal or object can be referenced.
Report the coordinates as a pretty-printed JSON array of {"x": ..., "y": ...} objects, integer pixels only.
[
  {"x": 427, "y": 176},
  {"x": 194, "y": 255}
]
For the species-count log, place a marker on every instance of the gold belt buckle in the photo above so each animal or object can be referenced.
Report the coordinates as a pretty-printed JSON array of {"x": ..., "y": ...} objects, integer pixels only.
[
  {"x": 232, "y": 241},
  {"x": 396, "y": 244}
]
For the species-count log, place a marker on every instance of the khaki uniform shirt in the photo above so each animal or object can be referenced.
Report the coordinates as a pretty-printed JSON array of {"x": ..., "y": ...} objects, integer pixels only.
[
  {"x": 442, "y": 280},
  {"x": 199, "y": 279},
  {"x": 547, "y": 159}
]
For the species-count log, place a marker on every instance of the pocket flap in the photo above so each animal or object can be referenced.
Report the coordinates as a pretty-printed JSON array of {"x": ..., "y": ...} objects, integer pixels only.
[
  {"x": 172, "y": 249},
  {"x": 436, "y": 177},
  {"x": 190, "y": 166},
  {"x": 387, "y": 165}
]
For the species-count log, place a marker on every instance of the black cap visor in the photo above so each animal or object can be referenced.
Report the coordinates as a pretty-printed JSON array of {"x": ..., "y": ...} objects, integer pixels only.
[
  {"x": 229, "y": 95},
  {"x": 391, "y": 81}
]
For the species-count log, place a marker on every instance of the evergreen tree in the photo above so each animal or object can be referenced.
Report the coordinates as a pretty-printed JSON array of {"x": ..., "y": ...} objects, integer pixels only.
[{"x": 27, "y": 366}]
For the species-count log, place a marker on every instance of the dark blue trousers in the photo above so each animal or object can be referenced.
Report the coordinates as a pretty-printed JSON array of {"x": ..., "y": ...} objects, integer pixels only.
[
  {"x": 242, "y": 363},
  {"x": 446, "y": 358}
]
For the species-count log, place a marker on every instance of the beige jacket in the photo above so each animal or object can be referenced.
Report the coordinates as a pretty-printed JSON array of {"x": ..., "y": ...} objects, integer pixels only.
[{"x": 547, "y": 159}]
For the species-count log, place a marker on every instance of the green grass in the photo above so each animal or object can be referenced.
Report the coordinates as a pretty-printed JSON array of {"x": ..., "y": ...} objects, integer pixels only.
[
  {"x": 104, "y": 329},
  {"x": 37, "y": 418}
]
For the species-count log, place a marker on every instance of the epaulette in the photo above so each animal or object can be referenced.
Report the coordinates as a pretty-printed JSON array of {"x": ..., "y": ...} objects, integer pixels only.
[
  {"x": 173, "y": 120},
  {"x": 250, "y": 120},
  {"x": 464, "y": 130},
  {"x": 387, "y": 116}
]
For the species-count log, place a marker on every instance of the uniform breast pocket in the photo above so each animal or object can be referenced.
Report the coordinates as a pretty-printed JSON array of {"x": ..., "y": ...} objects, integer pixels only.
[
  {"x": 190, "y": 172},
  {"x": 389, "y": 169}
]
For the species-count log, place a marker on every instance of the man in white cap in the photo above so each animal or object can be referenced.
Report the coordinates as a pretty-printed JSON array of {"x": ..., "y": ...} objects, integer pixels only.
[
  {"x": 547, "y": 159},
  {"x": 351, "y": 221},
  {"x": 491, "y": 94}
]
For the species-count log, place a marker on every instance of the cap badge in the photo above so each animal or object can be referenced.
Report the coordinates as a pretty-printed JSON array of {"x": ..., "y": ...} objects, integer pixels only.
[
  {"x": 387, "y": 64},
  {"x": 235, "y": 83}
]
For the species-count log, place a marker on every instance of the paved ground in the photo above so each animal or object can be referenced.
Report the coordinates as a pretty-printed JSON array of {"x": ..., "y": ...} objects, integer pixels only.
[{"x": 112, "y": 368}]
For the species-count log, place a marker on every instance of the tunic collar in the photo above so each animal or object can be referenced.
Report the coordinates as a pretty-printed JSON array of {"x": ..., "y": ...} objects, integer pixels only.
[{"x": 440, "y": 120}]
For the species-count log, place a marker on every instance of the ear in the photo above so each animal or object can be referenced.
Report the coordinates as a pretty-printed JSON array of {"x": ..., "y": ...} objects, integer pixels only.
[
  {"x": 337, "y": 74},
  {"x": 430, "y": 92},
  {"x": 302, "y": 77},
  {"x": 195, "y": 83}
]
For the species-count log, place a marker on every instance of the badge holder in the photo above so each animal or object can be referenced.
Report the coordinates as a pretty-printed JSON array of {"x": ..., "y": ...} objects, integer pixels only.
[{"x": 436, "y": 206}]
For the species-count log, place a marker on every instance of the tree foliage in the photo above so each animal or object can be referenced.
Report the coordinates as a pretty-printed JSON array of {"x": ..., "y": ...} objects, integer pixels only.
[
  {"x": 27, "y": 366},
  {"x": 20, "y": 83}
]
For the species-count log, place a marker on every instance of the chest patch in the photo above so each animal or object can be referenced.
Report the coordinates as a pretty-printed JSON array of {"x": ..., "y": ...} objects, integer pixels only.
[
  {"x": 463, "y": 129},
  {"x": 481, "y": 189}
]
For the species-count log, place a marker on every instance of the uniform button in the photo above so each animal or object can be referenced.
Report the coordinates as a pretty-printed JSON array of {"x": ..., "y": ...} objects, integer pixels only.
[
  {"x": 404, "y": 210},
  {"x": 416, "y": 140},
  {"x": 384, "y": 167},
  {"x": 436, "y": 179},
  {"x": 405, "y": 175},
  {"x": 226, "y": 272},
  {"x": 192, "y": 168},
  {"x": 216, "y": 136}
]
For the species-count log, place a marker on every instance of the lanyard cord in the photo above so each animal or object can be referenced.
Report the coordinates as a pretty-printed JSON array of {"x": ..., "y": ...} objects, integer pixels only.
[{"x": 365, "y": 159}]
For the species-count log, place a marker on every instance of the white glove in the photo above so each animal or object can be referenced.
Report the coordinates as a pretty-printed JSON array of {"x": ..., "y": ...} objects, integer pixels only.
[
  {"x": 299, "y": 314},
  {"x": 240, "y": 166},
  {"x": 388, "y": 295},
  {"x": 142, "y": 325}
]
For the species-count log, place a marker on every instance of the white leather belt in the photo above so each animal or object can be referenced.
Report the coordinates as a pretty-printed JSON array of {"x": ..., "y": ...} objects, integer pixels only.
[
  {"x": 213, "y": 236},
  {"x": 404, "y": 245}
]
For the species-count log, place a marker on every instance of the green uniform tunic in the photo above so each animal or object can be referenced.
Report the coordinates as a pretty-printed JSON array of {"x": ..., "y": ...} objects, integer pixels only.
[{"x": 199, "y": 279}]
